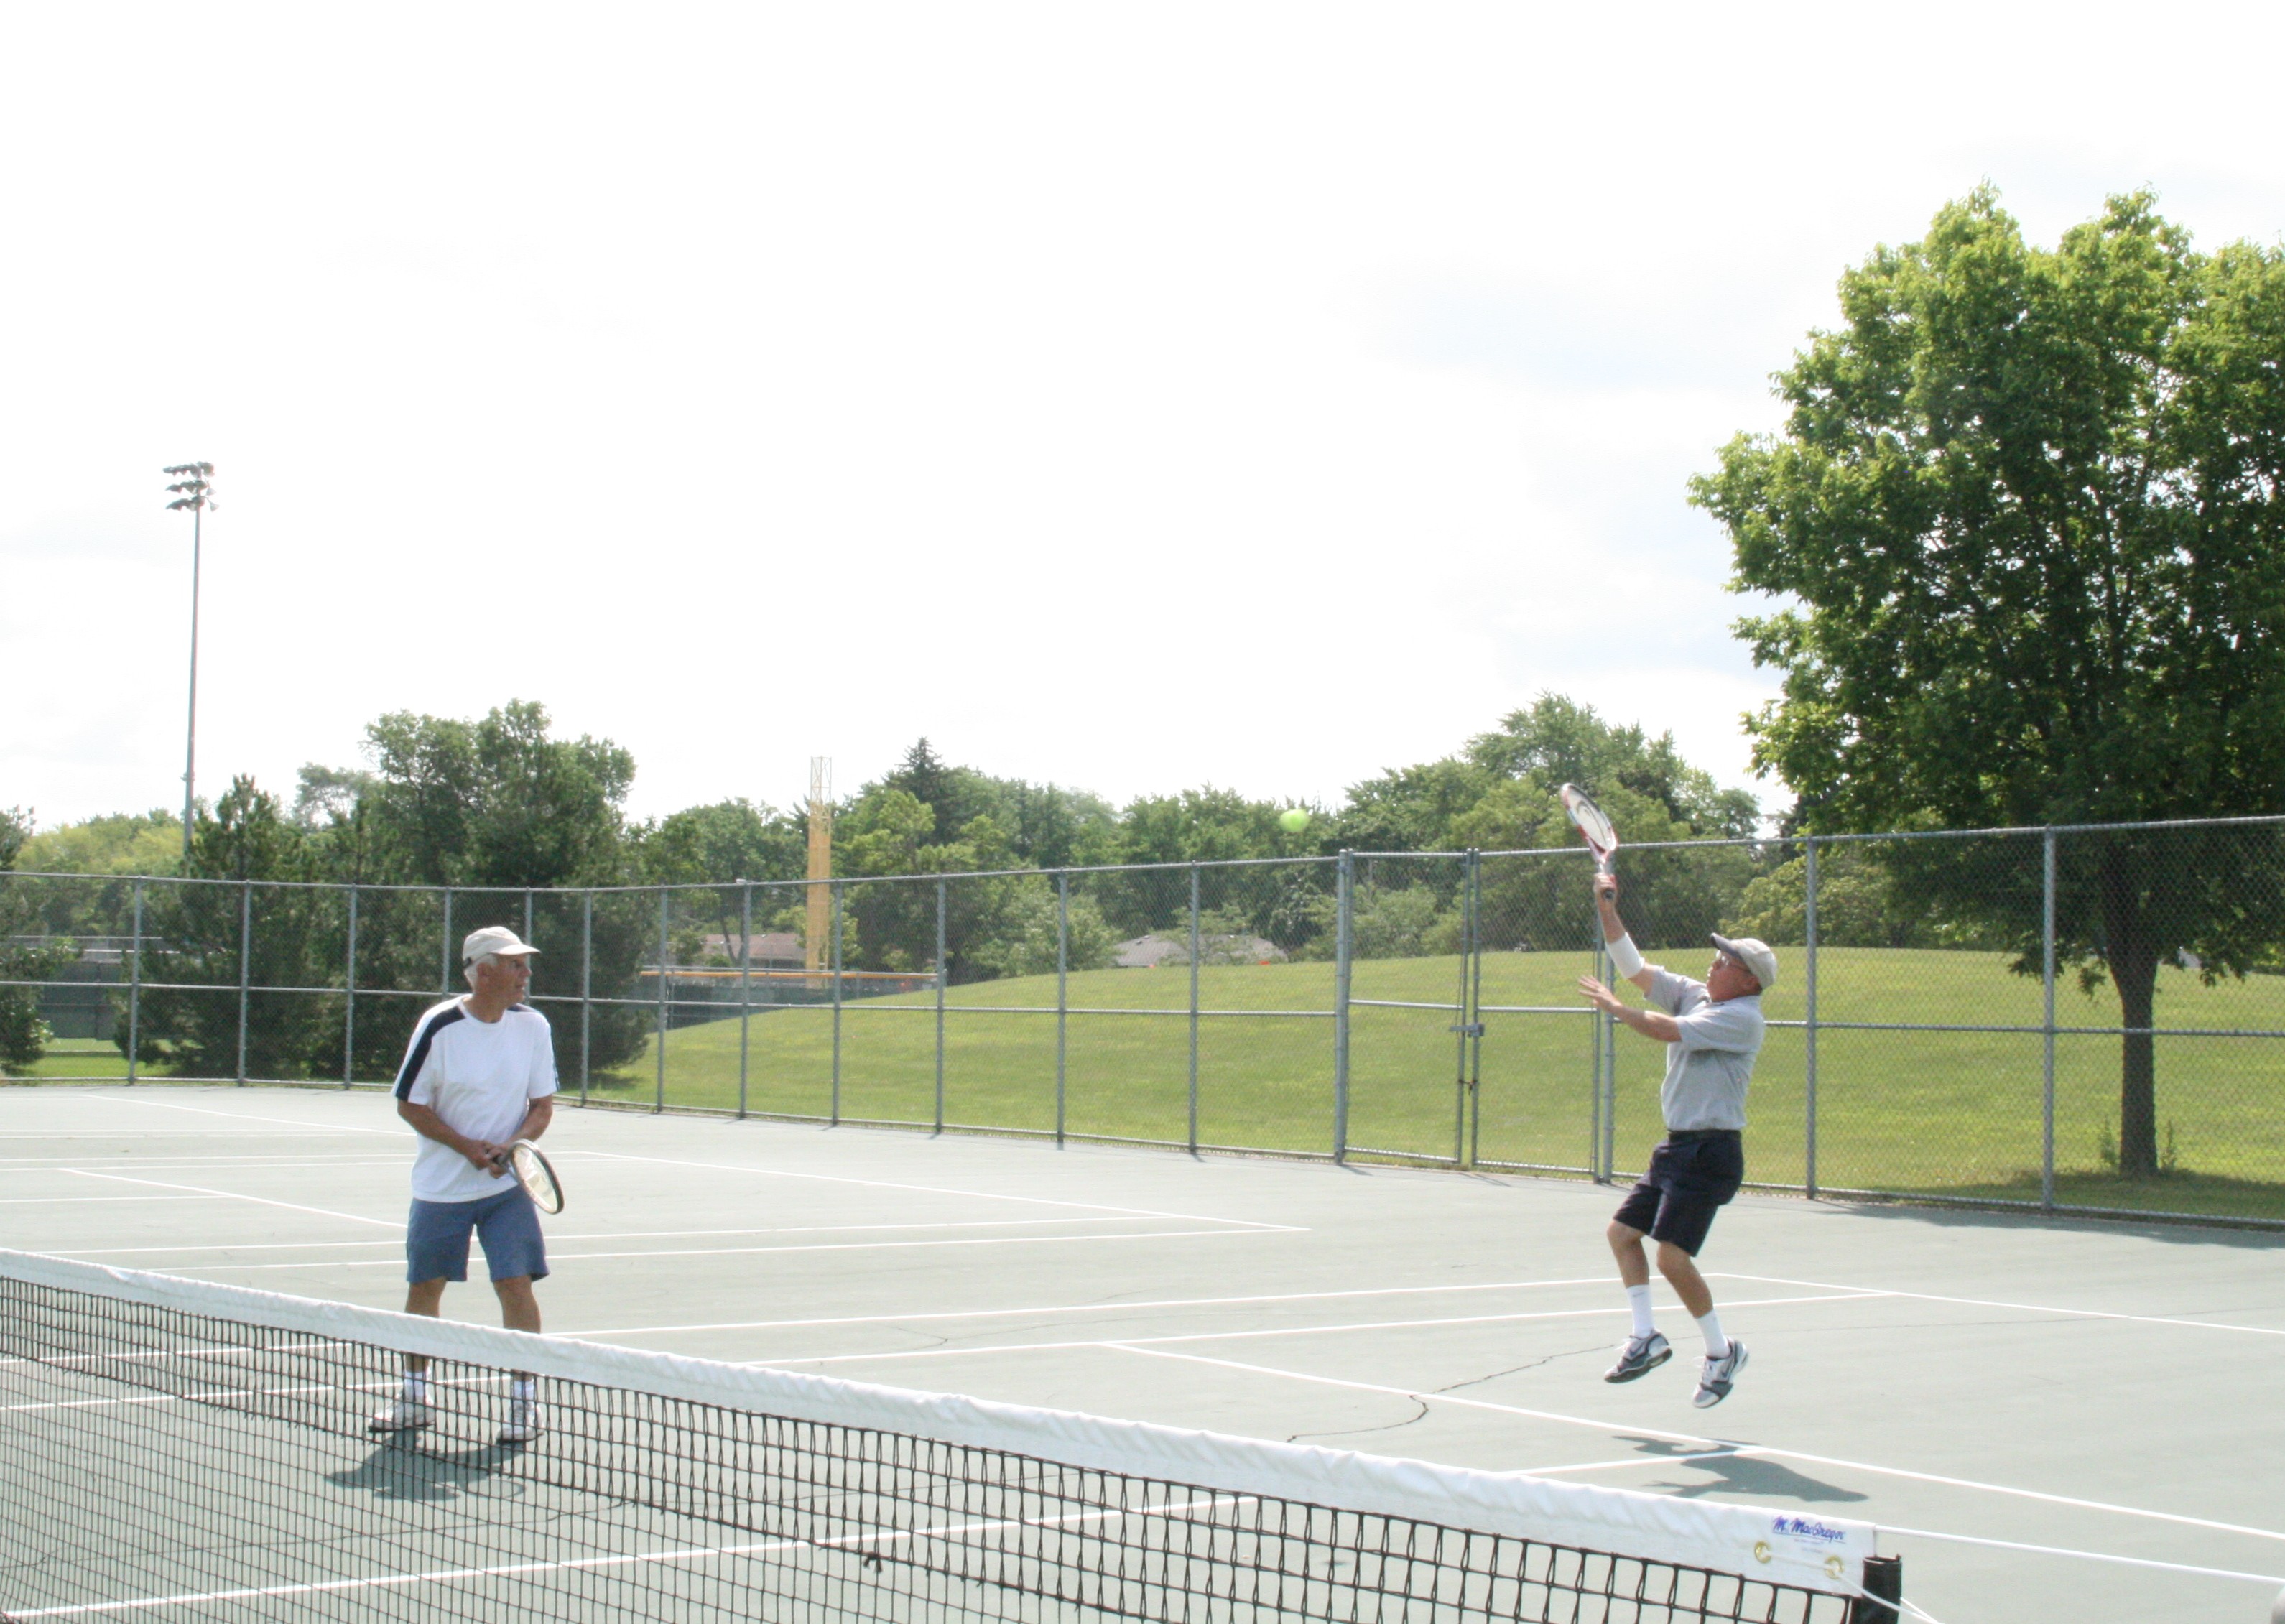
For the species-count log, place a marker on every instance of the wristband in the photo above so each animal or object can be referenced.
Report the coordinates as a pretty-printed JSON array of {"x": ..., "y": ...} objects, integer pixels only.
[{"x": 1626, "y": 958}]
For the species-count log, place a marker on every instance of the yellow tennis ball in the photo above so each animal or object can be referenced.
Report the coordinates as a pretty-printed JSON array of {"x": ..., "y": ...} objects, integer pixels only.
[{"x": 1294, "y": 822}]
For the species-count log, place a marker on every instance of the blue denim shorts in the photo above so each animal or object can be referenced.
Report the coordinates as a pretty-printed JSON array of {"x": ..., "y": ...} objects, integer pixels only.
[{"x": 436, "y": 1237}]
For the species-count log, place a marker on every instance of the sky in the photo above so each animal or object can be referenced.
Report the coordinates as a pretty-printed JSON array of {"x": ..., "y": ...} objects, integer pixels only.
[{"x": 1126, "y": 397}]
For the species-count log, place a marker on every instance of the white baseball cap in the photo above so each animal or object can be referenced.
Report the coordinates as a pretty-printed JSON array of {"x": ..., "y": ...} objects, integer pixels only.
[
  {"x": 1756, "y": 954},
  {"x": 494, "y": 941}
]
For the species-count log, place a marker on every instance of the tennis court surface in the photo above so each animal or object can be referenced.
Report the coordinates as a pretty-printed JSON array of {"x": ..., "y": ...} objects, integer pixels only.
[{"x": 2046, "y": 1420}]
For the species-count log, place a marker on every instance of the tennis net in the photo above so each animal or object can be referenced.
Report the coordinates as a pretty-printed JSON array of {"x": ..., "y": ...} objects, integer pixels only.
[{"x": 172, "y": 1448}]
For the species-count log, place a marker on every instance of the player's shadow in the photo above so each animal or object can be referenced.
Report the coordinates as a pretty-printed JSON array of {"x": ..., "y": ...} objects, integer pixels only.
[
  {"x": 401, "y": 1471},
  {"x": 1742, "y": 1474}
]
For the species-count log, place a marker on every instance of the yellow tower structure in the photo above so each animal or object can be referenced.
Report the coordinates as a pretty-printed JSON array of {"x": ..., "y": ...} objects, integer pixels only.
[{"x": 816, "y": 949}]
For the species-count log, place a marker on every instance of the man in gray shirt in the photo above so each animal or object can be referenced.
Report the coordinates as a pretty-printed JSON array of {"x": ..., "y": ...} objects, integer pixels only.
[{"x": 1712, "y": 1030}]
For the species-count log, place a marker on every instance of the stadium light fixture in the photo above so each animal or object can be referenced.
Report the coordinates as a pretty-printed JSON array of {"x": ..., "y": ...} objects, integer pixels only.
[{"x": 193, "y": 489}]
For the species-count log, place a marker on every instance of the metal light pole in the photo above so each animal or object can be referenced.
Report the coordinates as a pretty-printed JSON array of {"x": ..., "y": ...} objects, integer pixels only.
[{"x": 193, "y": 489}]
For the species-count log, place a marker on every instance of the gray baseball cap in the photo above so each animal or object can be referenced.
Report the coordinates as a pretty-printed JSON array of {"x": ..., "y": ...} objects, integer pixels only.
[{"x": 1756, "y": 954}]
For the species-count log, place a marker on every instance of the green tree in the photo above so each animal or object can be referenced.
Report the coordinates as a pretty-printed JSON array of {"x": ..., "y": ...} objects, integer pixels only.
[
  {"x": 23, "y": 1035},
  {"x": 2026, "y": 512},
  {"x": 120, "y": 844},
  {"x": 1557, "y": 741},
  {"x": 498, "y": 802},
  {"x": 190, "y": 1021},
  {"x": 15, "y": 828}
]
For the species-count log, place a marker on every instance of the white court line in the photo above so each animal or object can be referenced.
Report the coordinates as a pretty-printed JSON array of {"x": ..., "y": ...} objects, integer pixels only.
[
  {"x": 145, "y": 1101},
  {"x": 1979, "y": 1302},
  {"x": 931, "y": 1190},
  {"x": 186, "y": 1133},
  {"x": 1772, "y": 1451},
  {"x": 632, "y": 1235},
  {"x": 70, "y": 1164},
  {"x": 1095, "y": 1307},
  {"x": 27, "y": 1201},
  {"x": 191, "y": 1270},
  {"x": 2089, "y": 1556},
  {"x": 848, "y": 1541},
  {"x": 291, "y": 1206},
  {"x": 1242, "y": 1336}
]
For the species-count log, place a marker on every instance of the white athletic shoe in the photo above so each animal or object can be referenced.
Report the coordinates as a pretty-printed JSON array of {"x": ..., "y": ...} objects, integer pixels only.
[
  {"x": 1639, "y": 1356},
  {"x": 523, "y": 1421},
  {"x": 399, "y": 1416},
  {"x": 1716, "y": 1377}
]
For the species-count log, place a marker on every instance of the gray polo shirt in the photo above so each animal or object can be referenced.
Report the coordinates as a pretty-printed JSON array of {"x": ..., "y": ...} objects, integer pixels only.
[{"x": 1708, "y": 1070}]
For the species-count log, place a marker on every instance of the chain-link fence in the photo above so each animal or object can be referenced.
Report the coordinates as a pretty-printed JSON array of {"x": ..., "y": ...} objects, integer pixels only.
[{"x": 2084, "y": 1018}]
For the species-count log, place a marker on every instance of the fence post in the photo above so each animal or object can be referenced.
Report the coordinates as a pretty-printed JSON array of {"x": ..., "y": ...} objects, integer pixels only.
[
  {"x": 527, "y": 914},
  {"x": 1063, "y": 997},
  {"x": 1471, "y": 979},
  {"x": 2047, "y": 989},
  {"x": 1461, "y": 1025},
  {"x": 745, "y": 981},
  {"x": 940, "y": 884},
  {"x": 1606, "y": 1072},
  {"x": 348, "y": 999},
  {"x": 1194, "y": 1009},
  {"x": 244, "y": 967},
  {"x": 658, "y": 1084},
  {"x": 1809, "y": 929},
  {"x": 444, "y": 950},
  {"x": 835, "y": 886},
  {"x": 586, "y": 989},
  {"x": 135, "y": 991},
  {"x": 1344, "y": 889}
]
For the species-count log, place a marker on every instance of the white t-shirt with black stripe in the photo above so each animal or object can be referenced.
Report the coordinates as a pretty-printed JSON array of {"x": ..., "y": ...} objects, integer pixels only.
[{"x": 481, "y": 1077}]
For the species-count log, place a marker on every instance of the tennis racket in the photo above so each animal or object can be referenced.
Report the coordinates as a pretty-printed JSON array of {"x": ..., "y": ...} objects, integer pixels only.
[
  {"x": 1601, "y": 838},
  {"x": 531, "y": 1169}
]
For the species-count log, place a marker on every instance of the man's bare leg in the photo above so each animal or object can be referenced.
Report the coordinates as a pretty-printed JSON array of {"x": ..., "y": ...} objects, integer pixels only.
[
  {"x": 1681, "y": 1272},
  {"x": 520, "y": 1311},
  {"x": 1627, "y": 1247},
  {"x": 1645, "y": 1350},
  {"x": 424, "y": 1297}
]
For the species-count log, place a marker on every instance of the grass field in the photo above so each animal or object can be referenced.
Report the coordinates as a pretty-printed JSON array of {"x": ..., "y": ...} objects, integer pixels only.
[
  {"x": 1929, "y": 1112},
  {"x": 1909, "y": 1112}
]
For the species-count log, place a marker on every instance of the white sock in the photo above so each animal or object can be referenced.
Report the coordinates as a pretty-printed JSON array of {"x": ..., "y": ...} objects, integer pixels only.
[
  {"x": 523, "y": 1391},
  {"x": 1638, "y": 1301},
  {"x": 1717, "y": 1345},
  {"x": 416, "y": 1387}
]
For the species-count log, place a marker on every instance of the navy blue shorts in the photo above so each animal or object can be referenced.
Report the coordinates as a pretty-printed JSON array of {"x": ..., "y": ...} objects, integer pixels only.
[
  {"x": 436, "y": 1237},
  {"x": 1691, "y": 1176}
]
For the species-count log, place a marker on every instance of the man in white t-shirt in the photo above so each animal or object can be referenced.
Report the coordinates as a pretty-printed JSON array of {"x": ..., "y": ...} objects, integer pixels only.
[{"x": 478, "y": 1075}]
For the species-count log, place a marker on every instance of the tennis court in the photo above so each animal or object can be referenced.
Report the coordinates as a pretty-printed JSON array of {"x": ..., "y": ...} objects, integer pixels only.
[{"x": 2045, "y": 1419}]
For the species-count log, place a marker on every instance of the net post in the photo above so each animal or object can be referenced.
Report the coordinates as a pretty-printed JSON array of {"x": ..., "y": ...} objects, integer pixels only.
[
  {"x": 348, "y": 998},
  {"x": 745, "y": 981},
  {"x": 1063, "y": 994},
  {"x": 2047, "y": 1035},
  {"x": 658, "y": 1067},
  {"x": 1884, "y": 1588},
  {"x": 244, "y": 968},
  {"x": 586, "y": 989},
  {"x": 1345, "y": 894},
  {"x": 941, "y": 883},
  {"x": 135, "y": 989},
  {"x": 1809, "y": 926},
  {"x": 836, "y": 887},
  {"x": 1193, "y": 1009}
]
